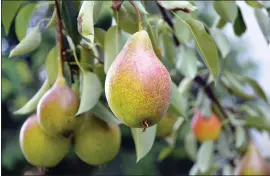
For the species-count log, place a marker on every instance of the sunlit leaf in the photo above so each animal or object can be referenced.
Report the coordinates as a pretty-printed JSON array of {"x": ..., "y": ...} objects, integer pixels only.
[
  {"x": 182, "y": 31},
  {"x": 53, "y": 20},
  {"x": 169, "y": 52},
  {"x": 254, "y": 4},
  {"x": 97, "y": 10},
  {"x": 28, "y": 44},
  {"x": 204, "y": 157},
  {"x": 143, "y": 140},
  {"x": 126, "y": 20},
  {"x": 190, "y": 145},
  {"x": 9, "y": 8},
  {"x": 99, "y": 71},
  {"x": 99, "y": 36},
  {"x": 175, "y": 5},
  {"x": 104, "y": 113},
  {"x": 240, "y": 136},
  {"x": 221, "y": 23},
  {"x": 264, "y": 22},
  {"x": 164, "y": 153},
  {"x": 91, "y": 91},
  {"x": 221, "y": 41},
  {"x": 185, "y": 86},
  {"x": 178, "y": 104},
  {"x": 31, "y": 105},
  {"x": 51, "y": 65},
  {"x": 227, "y": 10},
  {"x": 257, "y": 122}
]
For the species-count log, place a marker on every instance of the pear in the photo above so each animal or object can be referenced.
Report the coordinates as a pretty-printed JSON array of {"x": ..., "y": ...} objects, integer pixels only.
[
  {"x": 165, "y": 125},
  {"x": 97, "y": 142},
  {"x": 138, "y": 86},
  {"x": 39, "y": 148},
  {"x": 205, "y": 128},
  {"x": 252, "y": 163},
  {"x": 57, "y": 108}
]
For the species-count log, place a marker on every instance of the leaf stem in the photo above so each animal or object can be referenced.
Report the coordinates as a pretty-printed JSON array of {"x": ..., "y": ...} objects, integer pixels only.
[
  {"x": 138, "y": 14},
  {"x": 60, "y": 40}
]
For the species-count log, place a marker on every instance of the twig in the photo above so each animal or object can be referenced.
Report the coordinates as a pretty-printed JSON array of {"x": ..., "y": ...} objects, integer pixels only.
[
  {"x": 138, "y": 14},
  {"x": 169, "y": 21},
  {"x": 60, "y": 38}
]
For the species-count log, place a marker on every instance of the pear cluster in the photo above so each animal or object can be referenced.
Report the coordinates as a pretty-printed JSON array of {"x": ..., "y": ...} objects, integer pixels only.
[{"x": 45, "y": 137}]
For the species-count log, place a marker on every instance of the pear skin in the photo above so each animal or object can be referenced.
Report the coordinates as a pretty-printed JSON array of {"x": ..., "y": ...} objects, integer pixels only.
[
  {"x": 204, "y": 128},
  {"x": 39, "y": 148},
  {"x": 138, "y": 86},
  {"x": 57, "y": 108},
  {"x": 97, "y": 142}
]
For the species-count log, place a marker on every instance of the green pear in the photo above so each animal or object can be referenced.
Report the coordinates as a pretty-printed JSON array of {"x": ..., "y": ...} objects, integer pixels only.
[
  {"x": 138, "y": 86},
  {"x": 165, "y": 125},
  {"x": 57, "y": 108},
  {"x": 252, "y": 163},
  {"x": 97, "y": 142},
  {"x": 39, "y": 148}
]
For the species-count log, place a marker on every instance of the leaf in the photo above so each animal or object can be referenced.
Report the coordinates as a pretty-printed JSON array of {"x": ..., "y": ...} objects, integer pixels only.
[
  {"x": 227, "y": 170},
  {"x": 227, "y": 10},
  {"x": 190, "y": 145},
  {"x": 203, "y": 103},
  {"x": 51, "y": 65},
  {"x": 221, "y": 41},
  {"x": 174, "y": 5},
  {"x": 127, "y": 5},
  {"x": 182, "y": 31},
  {"x": 171, "y": 140},
  {"x": 206, "y": 46},
  {"x": 264, "y": 22},
  {"x": 204, "y": 157},
  {"x": 86, "y": 20},
  {"x": 22, "y": 20},
  {"x": 221, "y": 23},
  {"x": 32, "y": 103},
  {"x": 91, "y": 91},
  {"x": 254, "y": 4},
  {"x": 168, "y": 47},
  {"x": 126, "y": 20},
  {"x": 102, "y": 112},
  {"x": 187, "y": 62},
  {"x": 240, "y": 136},
  {"x": 164, "y": 153},
  {"x": 28, "y": 44},
  {"x": 185, "y": 86},
  {"x": 99, "y": 37},
  {"x": 143, "y": 140},
  {"x": 178, "y": 104},
  {"x": 97, "y": 9},
  {"x": 53, "y": 20},
  {"x": 9, "y": 8},
  {"x": 239, "y": 25},
  {"x": 257, "y": 122},
  {"x": 113, "y": 43}
]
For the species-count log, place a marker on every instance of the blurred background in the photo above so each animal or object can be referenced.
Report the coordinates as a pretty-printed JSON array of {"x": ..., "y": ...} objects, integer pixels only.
[{"x": 23, "y": 76}]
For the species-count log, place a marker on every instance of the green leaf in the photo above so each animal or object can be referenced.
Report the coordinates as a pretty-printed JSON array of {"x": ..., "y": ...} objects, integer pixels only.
[
  {"x": 221, "y": 41},
  {"x": 28, "y": 44},
  {"x": 173, "y": 5},
  {"x": 168, "y": 47},
  {"x": 164, "y": 153},
  {"x": 182, "y": 31},
  {"x": 171, "y": 140},
  {"x": 31, "y": 105},
  {"x": 239, "y": 25},
  {"x": 99, "y": 37},
  {"x": 240, "y": 136},
  {"x": 23, "y": 19},
  {"x": 178, "y": 104},
  {"x": 143, "y": 140},
  {"x": 185, "y": 86},
  {"x": 9, "y": 8},
  {"x": 91, "y": 91},
  {"x": 51, "y": 65},
  {"x": 206, "y": 46},
  {"x": 254, "y": 4},
  {"x": 187, "y": 62},
  {"x": 264, "y": 22},
  {"x": 257, "y": 122},
  {"x": 99, "y": 70},
  {"x": 127, "y": 5},
  {"x": 221, "y": 23},
  {"x": 227, "y": 10},
  {"x": 7, "y": 89},
  {"x": 203, "y": 103},
  {"x": 97, "y": 9},
  {"x": 204, "y": 157},
  {"x": 53, "y": 20},
  {"x": 105, "y": 114},
  {"x": 126, "y": 20},
  {"x": 190, "y": 145},
  {"x": 85, "y": 20}
]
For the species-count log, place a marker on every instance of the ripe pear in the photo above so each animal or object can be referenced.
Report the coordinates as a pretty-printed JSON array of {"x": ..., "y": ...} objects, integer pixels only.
[
  {"x": 205, "y": 128},
  {"x": 97, "y": 142},
  {"x": 252, "y": 163},
  {"x": 39, "y": 148},
  {"x": 57, "y": 108},
  {"x": 165, "y": 125},
  {"x": 138, "y": 86}
]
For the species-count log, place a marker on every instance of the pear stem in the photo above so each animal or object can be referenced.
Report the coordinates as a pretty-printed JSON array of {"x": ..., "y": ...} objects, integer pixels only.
[
  {"x": 138, "y": 14},
  {"x": 60, "y": 40},
  {"x": 145, "y": 125}
]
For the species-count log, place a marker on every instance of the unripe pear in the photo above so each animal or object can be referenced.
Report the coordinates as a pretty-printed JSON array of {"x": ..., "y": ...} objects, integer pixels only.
[
  {"x": 57, "y": 108},
  {"x": 205, "y": 128},
  {"x": 252, "y": 163},
  {"x": 97, "y": 142},
  {"x": 138, "y": 86},
  {"x": 165, "y": 125},
  {"x": 39, "y": 148}
]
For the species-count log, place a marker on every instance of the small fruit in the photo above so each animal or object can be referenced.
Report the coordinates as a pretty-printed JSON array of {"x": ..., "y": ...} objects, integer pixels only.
[
  {"x": 252, "y": 163},
  {"x": 97, "y": 142},
  {"x": 138, "y": 86},
  {"x": 57, "y": 108},
  {"x": 165, "y": 125},
  {"x": 39, "y": 148},
  {"x": 205, "y": 128}
]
